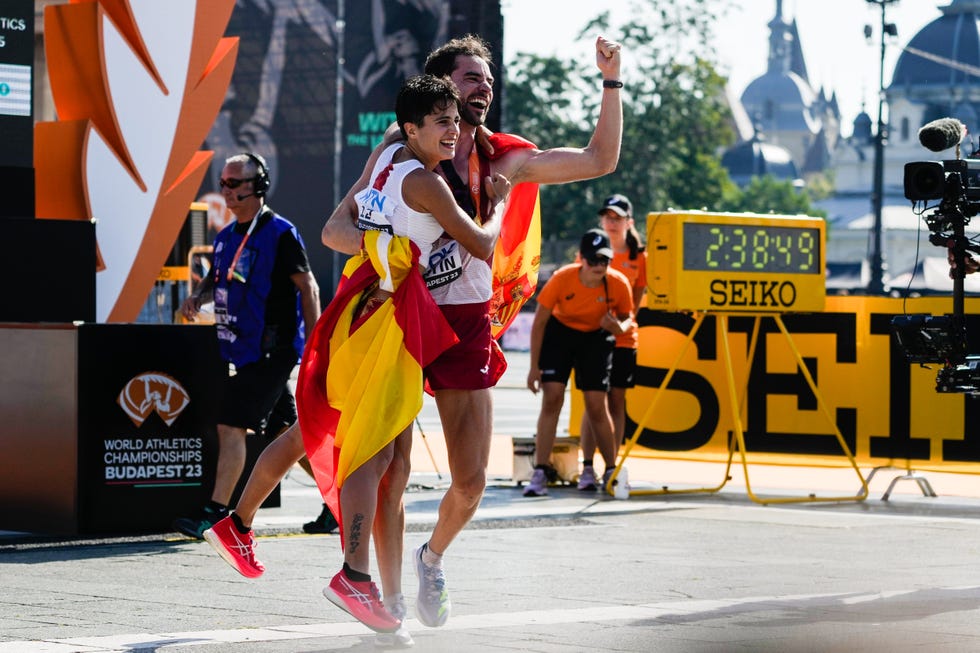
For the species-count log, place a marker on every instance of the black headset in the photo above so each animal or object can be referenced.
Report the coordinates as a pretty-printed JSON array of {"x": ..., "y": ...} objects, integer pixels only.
[{"x": 260, "y": 185}]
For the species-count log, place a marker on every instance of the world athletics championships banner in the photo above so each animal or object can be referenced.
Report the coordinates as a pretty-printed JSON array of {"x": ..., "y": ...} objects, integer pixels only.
[{"x": 887, "y": 410}]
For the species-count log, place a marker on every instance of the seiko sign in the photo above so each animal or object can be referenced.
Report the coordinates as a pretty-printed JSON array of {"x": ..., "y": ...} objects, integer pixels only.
[{"x": 763, "y": 295}]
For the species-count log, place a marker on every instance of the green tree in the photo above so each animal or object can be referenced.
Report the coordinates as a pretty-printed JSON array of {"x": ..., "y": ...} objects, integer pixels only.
[
  {"x": 540, "y": 100},
  {"x": 676, "y": 118},
  {"x": 768, "y": 195}
]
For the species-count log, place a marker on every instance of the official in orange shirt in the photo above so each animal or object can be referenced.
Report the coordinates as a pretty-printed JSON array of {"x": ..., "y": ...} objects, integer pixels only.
[
  {"x": 580, "y": 310},
  {"x": 629, "y": 257}
]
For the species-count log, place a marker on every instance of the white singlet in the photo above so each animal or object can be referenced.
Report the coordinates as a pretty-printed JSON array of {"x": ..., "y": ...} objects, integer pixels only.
[{"x": 381, "y": 206}]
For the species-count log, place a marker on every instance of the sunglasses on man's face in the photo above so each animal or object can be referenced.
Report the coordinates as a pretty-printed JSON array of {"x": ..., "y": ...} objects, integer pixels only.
[
  {"x": 233, "y": 183},
  {"x": 599, "y": 260}
]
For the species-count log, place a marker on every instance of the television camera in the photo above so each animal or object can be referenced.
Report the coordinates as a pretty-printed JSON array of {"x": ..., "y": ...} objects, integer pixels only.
[{"x": 955, "y": 184}]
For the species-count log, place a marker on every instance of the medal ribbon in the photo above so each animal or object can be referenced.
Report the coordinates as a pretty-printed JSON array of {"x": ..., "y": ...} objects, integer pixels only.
[{"x": 474, "y": 168}]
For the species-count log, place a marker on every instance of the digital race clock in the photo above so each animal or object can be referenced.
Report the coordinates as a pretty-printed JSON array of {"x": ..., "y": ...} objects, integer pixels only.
[{"x": 735, "y": 262}]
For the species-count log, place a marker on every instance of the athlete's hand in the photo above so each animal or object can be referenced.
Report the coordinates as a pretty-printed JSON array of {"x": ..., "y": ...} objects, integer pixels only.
[
  {"x": 607, "y": 57},
  {"x": 610, "y": 324},
  {"x": 498, "y": 187}
]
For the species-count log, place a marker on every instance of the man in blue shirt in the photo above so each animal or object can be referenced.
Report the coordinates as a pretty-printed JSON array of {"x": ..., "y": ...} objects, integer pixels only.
[{"x": 266, "y": 301}]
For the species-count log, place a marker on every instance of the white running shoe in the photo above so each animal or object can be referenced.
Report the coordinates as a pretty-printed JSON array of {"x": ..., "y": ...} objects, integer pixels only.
[
  {"x": 432, "y": 605},
  {"x": 401, "y": 638}
]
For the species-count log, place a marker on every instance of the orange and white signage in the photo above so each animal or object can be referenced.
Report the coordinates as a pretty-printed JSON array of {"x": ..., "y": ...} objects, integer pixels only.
[{"x": 137, "y": 85}]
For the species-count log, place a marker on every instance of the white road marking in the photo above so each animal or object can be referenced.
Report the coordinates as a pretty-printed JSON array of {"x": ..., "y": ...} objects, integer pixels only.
[{"x": 158, "y": 641}]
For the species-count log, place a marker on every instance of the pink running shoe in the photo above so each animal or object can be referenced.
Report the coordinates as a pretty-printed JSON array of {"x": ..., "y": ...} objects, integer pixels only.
[
  {"x": 238, "y": 550},
  {"x": 362, "y": 601}
]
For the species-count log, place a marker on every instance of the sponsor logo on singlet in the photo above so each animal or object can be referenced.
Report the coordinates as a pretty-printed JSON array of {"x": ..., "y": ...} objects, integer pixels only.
[{"x": 445, "y": 265}]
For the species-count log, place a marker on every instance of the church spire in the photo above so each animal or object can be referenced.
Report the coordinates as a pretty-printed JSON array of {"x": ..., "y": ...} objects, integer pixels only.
[{"x": 780, "y": 42}]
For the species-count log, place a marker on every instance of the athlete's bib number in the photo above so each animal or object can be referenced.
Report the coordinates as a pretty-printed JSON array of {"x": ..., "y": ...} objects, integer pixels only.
[
  {"x": 445, "y": 264},
  {"x": 374, "y": 211}
]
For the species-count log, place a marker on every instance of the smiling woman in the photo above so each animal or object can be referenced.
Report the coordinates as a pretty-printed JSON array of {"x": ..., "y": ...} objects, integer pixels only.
[{"x": 360, "y": 382}]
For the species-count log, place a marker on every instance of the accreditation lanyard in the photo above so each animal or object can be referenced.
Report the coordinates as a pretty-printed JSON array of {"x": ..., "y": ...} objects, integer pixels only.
[{"x": 241, "y": 247}]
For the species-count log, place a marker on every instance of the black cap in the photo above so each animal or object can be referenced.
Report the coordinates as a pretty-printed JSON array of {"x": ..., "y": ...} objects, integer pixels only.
[
  {"x": 595, "y": 243},
  {"x": 618, "y": 204}
]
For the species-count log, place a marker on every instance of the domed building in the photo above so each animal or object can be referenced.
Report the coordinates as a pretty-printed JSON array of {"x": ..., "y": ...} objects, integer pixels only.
[
  {"x": 936, "y": 76},
  {"x": 756, "y": 158},
  {"x": 781, "y": 101},
  {"x": 937, "y": 72},
  {"x": 784, "y": 107},
  {"x": 861, "y": 131}
]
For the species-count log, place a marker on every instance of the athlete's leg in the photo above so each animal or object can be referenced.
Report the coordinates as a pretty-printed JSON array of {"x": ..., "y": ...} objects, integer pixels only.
[
  {"x": 271, "y": 467},
  {"x": 598, "y": 412},
  {"x": 231, "y": 462},
  {"x": 358, "y": 506},
  {"x": 389, "y": 522},
  {"x": 617, "y": 411},
  {"x": 586, "y": 441},
  {"x": 467, "y": 422}
]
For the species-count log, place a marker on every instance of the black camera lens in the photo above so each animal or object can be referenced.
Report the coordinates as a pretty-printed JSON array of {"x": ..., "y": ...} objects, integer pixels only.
[{"x": 924, "y": 180}]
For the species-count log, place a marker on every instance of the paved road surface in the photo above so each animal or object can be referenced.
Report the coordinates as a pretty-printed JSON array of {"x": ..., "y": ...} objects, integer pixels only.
[{"x": 570, "y": 573}]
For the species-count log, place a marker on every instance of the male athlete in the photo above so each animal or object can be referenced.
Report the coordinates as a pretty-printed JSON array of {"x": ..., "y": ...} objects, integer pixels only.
[{"x": 463, "y": 376}]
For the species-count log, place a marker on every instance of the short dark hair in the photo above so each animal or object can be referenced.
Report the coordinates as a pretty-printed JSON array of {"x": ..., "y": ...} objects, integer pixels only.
[
  {"x": 421, "y": 95},
  {"x": 442, "y": 61}
]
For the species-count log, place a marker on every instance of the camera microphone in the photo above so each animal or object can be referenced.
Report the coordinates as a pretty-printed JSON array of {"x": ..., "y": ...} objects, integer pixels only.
[
  {"x": 942, "y": 134},
  {"x": 241, "y": 197}
]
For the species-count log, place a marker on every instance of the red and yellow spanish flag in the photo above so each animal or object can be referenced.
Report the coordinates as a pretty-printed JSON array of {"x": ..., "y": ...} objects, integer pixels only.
[
  {"x": 517, "y": 255},
  {"x": 360, "y": 385}
]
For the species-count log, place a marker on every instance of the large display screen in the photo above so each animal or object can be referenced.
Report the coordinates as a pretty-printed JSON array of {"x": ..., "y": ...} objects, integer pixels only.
[
  {"x": 751, "y": 248},
  {"x": 735, "y": 262}
]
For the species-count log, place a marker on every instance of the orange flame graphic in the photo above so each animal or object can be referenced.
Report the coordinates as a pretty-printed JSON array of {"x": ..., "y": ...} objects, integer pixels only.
[{"x": 136, "y": 85}]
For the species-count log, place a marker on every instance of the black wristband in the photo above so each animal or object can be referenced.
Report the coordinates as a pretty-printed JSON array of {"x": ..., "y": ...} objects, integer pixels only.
[{"x": 612, "y": 83}]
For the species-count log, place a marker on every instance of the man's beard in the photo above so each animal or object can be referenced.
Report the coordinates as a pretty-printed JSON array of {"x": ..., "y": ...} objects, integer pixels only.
[{"x": 468, "y": 116}]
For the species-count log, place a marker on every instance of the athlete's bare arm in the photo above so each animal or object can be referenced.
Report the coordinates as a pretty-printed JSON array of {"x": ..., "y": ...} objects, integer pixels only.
[
  {"x": 427, "y": 192},
  {"x": 340, "y": 232},
  {"x": 541, "y": 317},
  {"x": 565, "y": 164}
]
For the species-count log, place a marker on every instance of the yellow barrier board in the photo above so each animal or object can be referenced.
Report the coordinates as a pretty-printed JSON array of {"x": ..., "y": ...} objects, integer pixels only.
[{"x": 886, "y": 409}]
